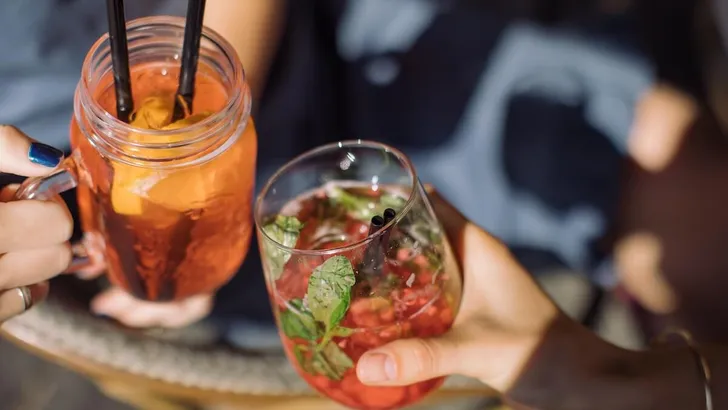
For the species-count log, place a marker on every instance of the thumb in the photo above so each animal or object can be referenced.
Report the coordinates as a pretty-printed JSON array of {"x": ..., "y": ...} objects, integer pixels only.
[
  {"x": 408, "y": 361},
  {"x": 20, "y": 155}
]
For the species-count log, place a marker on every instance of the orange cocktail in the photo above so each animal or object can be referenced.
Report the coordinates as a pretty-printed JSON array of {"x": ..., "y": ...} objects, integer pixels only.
[{"x": 167, "y": 203}]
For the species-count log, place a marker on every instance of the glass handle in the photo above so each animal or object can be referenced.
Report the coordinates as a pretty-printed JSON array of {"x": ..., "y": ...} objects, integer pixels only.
[{"x": 47, "y": 188}]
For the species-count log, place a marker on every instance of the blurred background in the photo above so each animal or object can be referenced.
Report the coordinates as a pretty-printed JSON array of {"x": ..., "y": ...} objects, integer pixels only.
[{"x": 560, "y": 126}]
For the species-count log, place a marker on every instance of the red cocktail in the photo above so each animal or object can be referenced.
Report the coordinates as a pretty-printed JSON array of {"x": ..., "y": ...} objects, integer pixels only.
[{"x": 355, "y": 258}]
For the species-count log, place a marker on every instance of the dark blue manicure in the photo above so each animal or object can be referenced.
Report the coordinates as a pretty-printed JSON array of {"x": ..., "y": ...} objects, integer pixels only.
[{"x": 44, "y": 155}]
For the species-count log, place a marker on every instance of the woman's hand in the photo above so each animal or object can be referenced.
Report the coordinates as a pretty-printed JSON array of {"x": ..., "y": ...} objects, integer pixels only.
[
  {"x": 511, "y": 336},
  {"x": 33, "y": 234},
  {"x": 119, "y": 305},
  {"x": 503, "y": 318},
  {"x": 116, "y": 304},
  {"x": 34, "y": 248}
]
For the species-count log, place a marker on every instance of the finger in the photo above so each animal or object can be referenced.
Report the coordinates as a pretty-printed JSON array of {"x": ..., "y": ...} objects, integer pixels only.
[
  {"x": 452, "y": 220},
  {"x": 168, "y": 315},
  {"x": 112, "y": 303},
  {"x": 22, "y": 156},
  {"x": 464, "y": 234},
  {"x": 30, "y": 224},
  {"x": 22, "y": 268},
  {"x": 132, "y": 312},
  {"x": 409, "y": 361},
  {"x": 7, "y": 194},
  {"x": 484, "y": 261},
  {"x": 89, "y": 261},
  {"x": 96, "y": 264},
  {"x": 92, "y": 271},
  {"x": 16, "y": 301}
]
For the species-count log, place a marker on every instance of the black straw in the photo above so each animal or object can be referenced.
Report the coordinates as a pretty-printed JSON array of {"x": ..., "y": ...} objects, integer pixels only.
[
  {"x": 389, "y": 215},
  {"x": 190, "y": 55},
  {"x": 376, "y": 249},
  {"x": 120, "y": 58},
  {"x": 376, "y": 225}
]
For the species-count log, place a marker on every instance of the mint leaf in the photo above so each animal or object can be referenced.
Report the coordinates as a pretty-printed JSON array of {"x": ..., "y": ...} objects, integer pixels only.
[
  {"x": 284, "y": 230},
  {"x": 434, "y": 258},
  {"x": 299, "y": 323},
  {"x": 300, "y": 352},
  {"x": 336, "y": 357},
  {"x": 331, "y": 361},
  {"x": 361, "y": 208},
  {"x": 342, "y": 332},
  {"x": 329, "y": 290},
  {"x": 338, "y": 361},
  {"x": 392, "y": 201},
  {"x": 320, "y": 366},
  {"x": 364, "y": 207},
  {"x": 328, "y": 298}
]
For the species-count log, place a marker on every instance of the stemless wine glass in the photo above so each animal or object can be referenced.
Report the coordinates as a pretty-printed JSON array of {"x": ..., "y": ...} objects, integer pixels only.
[
  {"x": 170, "y": 209},
  {"x": 354, "y": 258}
]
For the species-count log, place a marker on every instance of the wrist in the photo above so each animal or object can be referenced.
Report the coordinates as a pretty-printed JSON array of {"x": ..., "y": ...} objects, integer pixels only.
[
  {"x": 575, "y": 369},
  {"x": 672, "y": 378},
  {"x": 566, "y": 369}
]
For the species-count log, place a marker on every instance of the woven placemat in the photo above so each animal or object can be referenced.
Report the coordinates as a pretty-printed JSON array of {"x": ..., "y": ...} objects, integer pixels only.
[{"x": 73, "y": 330}]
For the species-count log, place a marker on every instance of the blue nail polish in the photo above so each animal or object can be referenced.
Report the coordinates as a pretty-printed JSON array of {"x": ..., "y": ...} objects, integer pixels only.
[{"x": 45, "y": 155}]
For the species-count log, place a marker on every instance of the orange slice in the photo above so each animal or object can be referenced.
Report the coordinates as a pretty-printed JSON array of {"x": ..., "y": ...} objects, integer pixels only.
[{"x": 178, "y": 190}]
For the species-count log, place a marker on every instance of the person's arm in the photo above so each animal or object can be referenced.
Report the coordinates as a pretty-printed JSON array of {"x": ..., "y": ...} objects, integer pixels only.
[
  {"x": 672, "y": 376},
  {"x": 253, "y": 28},
  {"x": 574, "y": 369},
  {"x": 665, "y": 378},
  {"x": 509, "y": 335}
]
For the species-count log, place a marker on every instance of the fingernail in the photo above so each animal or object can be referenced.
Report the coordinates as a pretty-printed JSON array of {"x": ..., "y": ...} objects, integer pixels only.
[
  {"x": 376, "y": 367},
  {"x": 45, "y": 155}
]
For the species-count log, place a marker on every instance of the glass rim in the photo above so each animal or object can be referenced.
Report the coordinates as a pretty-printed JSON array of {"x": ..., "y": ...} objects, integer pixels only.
[
  {"x": 399, "y": 155},
  {"x": 238, "y": 76}
]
